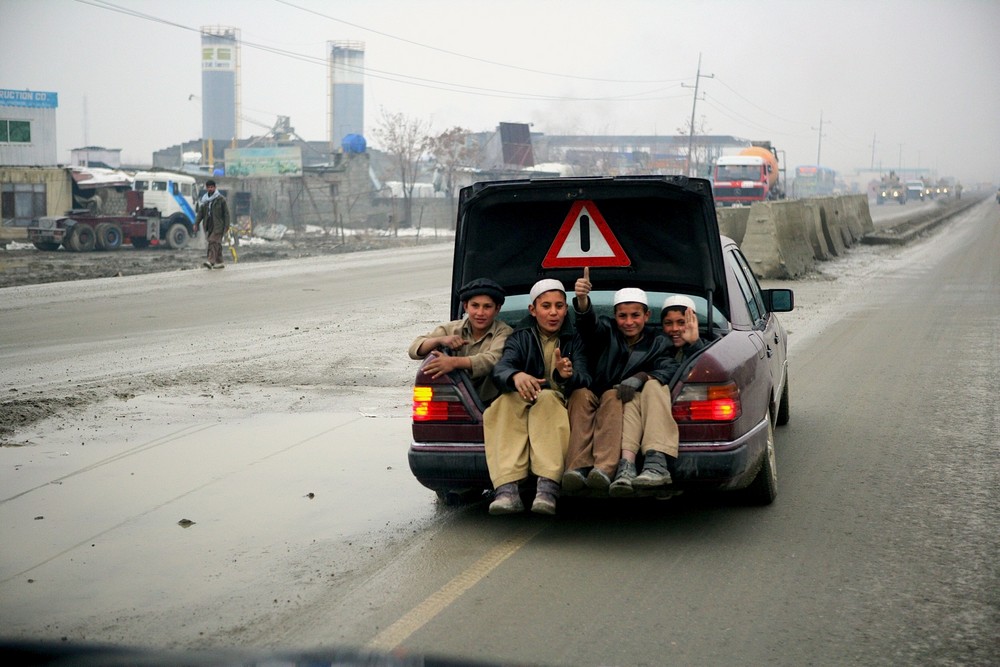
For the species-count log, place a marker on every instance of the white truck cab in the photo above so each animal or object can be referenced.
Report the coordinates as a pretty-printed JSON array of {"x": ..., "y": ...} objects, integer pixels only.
[{"x": 172, "y": 194}]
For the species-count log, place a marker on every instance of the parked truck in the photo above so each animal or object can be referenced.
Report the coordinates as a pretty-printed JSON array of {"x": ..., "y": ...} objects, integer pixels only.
[
  {"x": 751, "y": 175},
  {"x": 173, "y": 196},
  {"x": 161, "y": 211}
]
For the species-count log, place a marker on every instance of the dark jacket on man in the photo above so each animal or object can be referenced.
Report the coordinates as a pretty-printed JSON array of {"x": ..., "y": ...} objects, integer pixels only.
[
  {"x": 611, "y": 359},
  {"x": 214, "y": 214},
  {"x": 523, "y": 352}
]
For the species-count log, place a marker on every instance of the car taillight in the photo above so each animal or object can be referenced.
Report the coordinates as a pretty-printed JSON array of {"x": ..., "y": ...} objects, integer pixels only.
[
  {"x": 439, "y": 403},
  {"x": 708, "y": 403}
]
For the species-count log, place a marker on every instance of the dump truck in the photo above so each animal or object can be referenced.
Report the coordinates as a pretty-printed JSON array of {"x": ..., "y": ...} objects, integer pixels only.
[{"x": 750, "y": 176}]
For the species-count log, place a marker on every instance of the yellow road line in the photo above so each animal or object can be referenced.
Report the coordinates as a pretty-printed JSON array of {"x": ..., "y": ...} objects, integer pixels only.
[{"x": 398, "y": 632}]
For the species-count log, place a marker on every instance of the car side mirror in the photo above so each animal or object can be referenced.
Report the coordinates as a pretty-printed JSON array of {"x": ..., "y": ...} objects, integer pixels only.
[{"x": 779, "y": 300}]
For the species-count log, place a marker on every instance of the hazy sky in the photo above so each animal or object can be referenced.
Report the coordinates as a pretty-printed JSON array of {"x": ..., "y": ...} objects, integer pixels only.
[{"x": 920, "y": 77}]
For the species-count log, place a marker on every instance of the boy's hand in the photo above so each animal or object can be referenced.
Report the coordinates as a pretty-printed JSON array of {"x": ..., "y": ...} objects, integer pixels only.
[
  {"x": 454, "y": 342},
  {"x": 627, "y": 389},
  {"x": 563, "y": 365},
  {"x": 439, "y": 364},
  {"x": 690, "y": 333},
  {"x": 582, "y": 289},
  {"x": 527, "y": 386}
]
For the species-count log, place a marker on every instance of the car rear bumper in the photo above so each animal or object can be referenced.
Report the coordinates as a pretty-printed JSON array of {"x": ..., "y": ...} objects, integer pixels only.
[
  {"x": 450, "y": 467},
  {"x": 700, "y": 465}
]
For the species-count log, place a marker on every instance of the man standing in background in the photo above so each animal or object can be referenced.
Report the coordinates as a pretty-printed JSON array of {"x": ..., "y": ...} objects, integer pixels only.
[{"x": 213, "y": 211}]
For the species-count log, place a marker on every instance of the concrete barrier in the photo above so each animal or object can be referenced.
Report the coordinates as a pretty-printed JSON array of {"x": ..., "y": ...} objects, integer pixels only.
[
  {"x": 733, "y": 222},
  {"x": 825, "y": 239},
  {"x": 776, "y": 241}
]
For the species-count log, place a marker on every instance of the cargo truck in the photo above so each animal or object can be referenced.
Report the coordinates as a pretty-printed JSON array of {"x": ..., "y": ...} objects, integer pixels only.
[{"x": 750, "y": 176}]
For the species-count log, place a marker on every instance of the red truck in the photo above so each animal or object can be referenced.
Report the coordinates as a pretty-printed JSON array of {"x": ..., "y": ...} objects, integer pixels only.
[
  {"x": 752, "y": 175},
  {"x": 82, "y": 231}
]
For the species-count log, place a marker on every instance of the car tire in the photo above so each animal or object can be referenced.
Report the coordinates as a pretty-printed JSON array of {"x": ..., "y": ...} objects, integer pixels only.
[
  {"x": 764, "y": 487},
  {"x": 784, "y": 410},
  {"x": 48, "y": 246},
  {"x": 177, "y": 236}
]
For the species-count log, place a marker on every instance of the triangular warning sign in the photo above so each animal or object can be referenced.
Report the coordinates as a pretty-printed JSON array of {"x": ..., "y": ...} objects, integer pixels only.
[{"x": 584, "y": 240}]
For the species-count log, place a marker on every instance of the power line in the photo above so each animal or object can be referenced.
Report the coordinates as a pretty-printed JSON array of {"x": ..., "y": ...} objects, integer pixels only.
[
  {"x": 395, "y": 77},
  {"x": 473, "y": 58}
]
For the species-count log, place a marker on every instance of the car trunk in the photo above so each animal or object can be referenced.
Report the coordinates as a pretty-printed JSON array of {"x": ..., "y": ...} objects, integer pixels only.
[{"x": 656, "y": 233}]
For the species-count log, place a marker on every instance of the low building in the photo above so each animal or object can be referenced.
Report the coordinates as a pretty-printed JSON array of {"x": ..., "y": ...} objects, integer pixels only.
[{"x": 27, "y": 127}]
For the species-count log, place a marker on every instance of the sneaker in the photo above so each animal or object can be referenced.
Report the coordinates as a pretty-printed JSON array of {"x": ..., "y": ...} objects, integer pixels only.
[
  {"x": 507, "y": 500},
  {"x": 574, "y": 481},
  {"x": 207, "y": 265},
  {"x": 622, "y": 486},
  {"x": 654, "y": 472},
  {"x": 545, "y": 497},
  {"x": 218, "y": 266},
  {"x": 598, "y": 480}
]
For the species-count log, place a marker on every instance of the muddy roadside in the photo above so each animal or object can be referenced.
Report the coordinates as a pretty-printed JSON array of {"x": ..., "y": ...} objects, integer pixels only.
[{"x": 23, "y": 264}]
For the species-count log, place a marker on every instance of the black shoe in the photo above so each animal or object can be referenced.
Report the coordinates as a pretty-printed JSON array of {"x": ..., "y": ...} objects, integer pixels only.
[
  {"x": 598, "y": 480},
  {"x": 654, "y": 472},
  {"x": 574, "y": 481},
  {"x": 621, "y": 487}
]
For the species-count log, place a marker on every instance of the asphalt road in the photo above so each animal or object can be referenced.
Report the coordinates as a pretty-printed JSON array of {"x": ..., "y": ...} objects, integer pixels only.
[{"x": 276, "y": 380}]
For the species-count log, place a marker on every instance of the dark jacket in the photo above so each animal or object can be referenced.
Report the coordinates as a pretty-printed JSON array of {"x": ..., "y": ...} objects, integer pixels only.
[
  {"x": 611, "y": 359},
  {"x": 523, "y": 352},
  {"x": 668, "y": 364},
  {"x": 214, "y": 213}
]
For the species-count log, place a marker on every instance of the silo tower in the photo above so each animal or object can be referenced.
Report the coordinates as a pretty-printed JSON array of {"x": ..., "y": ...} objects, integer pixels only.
[
  {"x": 220, "y": 83},
  {"x": 347, "y": 90}
]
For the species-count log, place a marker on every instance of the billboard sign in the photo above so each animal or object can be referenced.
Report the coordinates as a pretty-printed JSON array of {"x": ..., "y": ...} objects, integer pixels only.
[{"x": 262, "y": 162}]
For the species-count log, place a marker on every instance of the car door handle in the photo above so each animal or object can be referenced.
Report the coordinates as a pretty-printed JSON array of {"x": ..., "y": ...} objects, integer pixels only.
[
  {"x": 777, "y": 339},
  {"x": 769, "y": 351}
]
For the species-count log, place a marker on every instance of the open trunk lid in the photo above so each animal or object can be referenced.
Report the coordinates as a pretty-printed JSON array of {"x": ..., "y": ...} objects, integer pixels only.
[{"x": 658, "y": 233}]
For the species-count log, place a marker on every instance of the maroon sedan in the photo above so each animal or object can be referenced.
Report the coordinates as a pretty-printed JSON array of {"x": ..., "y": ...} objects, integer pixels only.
[{"x": 657, "y": 233}]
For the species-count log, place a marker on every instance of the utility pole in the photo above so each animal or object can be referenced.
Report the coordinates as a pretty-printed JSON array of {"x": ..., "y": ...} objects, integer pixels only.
[
  {"x": 819, "y": 146},
  {"x": 694, "y": 104},
  {"x": 873, "y": 150}
]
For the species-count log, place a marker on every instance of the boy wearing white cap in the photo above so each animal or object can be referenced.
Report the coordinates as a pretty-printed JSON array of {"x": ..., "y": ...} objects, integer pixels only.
[
  {"x": 649, "y": 424},
  {"x": 623, "y": 353},
  {"x": 526, "y": 429}
]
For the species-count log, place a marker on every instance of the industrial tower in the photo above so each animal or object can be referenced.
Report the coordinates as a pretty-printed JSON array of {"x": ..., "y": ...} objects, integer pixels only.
[
  {"x": 220, "y": 84},
  {"x": 346, "y": 89}
]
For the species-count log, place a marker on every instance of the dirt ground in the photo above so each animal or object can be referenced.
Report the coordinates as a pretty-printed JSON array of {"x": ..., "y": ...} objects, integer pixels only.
[{"x": 23, "y": 264}]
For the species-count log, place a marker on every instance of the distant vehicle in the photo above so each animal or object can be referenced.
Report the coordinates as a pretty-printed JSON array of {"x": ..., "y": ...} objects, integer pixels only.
[
  {"x": 660, "y": 234},
  {"x": 891, "y": 189},
  {"x": 813, "y": 181},
  {"x": 750, "y": 176},
  {"x": 81, "y": 231},
  {"x": 915, "y": 190},
  {"x": 173, "y": 195}
]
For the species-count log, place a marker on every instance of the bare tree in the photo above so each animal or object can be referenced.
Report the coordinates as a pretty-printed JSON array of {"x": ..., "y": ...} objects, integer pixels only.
[
  {"x": 451, "y": 150},
  {"x": 406, "y": 140},
  {"x": 699, "y": 151}
]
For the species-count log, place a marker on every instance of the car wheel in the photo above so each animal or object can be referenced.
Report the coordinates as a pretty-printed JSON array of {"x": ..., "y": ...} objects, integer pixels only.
[
  {"x": 177, "y": 236},
  {"x": 48, "y": 246},
  {"x": 764, "y": 487},
  {"x": 783, "y": 408}
]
